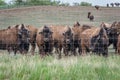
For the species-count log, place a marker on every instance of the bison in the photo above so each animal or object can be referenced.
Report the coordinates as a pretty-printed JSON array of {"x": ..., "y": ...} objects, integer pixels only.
[
  {"x": 77, "y": 29},
  {"x": 33, "y": 34},
  {"x": 13, "y": 38},
  {"x": 23, "y": 39},
  {"x": 44, "y": 41},
  {"x": 113, "y": 32},
  {"x": 90, "y": 16},
  {"x": 62, "y": 38},
  {"x": 95, "y": 40},
  {"x": 118, "y": 45},
  {"x": 97, "y": 7}
]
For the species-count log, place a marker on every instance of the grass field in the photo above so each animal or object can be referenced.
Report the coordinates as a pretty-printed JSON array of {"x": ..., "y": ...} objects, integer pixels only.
[{"x": 89, "y": 67}]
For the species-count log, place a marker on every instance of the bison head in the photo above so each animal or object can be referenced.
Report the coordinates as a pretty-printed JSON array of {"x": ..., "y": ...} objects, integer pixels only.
[
  {"x": 23, "y": 34},
  {"x": 46, "y": 33},
  {"x": 113, "y": 33},
  {"x": 68, "y": 37},
  {"x": 99, "y": 42}
]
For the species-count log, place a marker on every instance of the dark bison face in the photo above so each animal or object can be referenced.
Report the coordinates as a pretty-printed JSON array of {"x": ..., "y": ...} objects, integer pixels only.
[
  {"x": 99, "y": 42},
  {"x": 68, "y": 40},
  {"x": 47, "y": 34},
  {"x": 23, "y": 35},
  {"x": 113, "y": 33},
  {"x": 68, "y": 37}
]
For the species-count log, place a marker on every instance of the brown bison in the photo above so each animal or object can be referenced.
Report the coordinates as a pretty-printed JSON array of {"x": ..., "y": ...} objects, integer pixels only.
[
  {"x": 90, "y": 16},
  {"x": 63, "y": 38},
  {"x": 33, "y": 33},
  {"x": 118, "y": 45},
  {"x": 32, "y": 36},
  {"x": 44, "y": 41},
  {"x": 77, "y": 29},
  {"x": 95, "y": 40},
  {"x": 97, "y": 7},
  {"x": 13, "y": 38},
  {"x": 113, "y": 32}
]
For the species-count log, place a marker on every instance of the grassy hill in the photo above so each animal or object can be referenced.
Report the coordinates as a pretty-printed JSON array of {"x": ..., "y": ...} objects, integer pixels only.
[{"x": 58, "y": 15}]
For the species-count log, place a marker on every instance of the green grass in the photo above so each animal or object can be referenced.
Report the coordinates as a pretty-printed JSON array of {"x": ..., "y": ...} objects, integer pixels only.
[{"x": 68, "y": 68}]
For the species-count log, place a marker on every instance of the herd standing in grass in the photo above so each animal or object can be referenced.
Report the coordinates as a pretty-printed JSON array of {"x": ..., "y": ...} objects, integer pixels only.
[{"x": 80, "y": 39}]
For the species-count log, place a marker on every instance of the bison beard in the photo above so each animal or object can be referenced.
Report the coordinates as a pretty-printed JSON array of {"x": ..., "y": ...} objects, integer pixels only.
[
  {"x": 24, "y": 47},
  {"x": 100, "y": 46},
  {"x": 46, "y": 47}
]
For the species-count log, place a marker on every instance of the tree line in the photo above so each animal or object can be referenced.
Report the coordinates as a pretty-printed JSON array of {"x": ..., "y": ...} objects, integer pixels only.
[{"x": 42, "y": 2}]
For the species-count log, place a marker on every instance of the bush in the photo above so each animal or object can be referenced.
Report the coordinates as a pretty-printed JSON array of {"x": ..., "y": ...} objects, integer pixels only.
[
  {"x": 85, "y": 4},
  {"x": 2, "y": 2},
  {"x": 35, "y": 2}
]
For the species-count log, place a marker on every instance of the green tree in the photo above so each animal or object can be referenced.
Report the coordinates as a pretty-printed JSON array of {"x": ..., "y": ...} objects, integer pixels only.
[
  {"x": 2, "y": 2},
  {"x": 76, "y": 4},
  {"x": 18, "y": 2},
  {"x": 64, "y": 4},
  {"x": 39, "y": 2},
  {"x": 85, "y": 4},
  {"x": 55, "y": 2}
]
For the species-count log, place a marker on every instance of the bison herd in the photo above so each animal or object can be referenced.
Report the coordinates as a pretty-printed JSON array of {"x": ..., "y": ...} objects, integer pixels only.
[{"x": 78, "y": 39}]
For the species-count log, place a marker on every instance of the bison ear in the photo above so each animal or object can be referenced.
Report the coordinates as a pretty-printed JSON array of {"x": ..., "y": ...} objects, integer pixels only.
[
  {"x": 9, "y": 27},
  {"x": 78, "y": 24},
  {"x": 113, "y": 24}
]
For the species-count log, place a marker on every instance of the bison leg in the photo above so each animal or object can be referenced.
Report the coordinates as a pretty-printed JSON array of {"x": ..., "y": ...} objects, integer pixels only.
[
  {"x": 41, "y": 51},
  {"x": 33, "y": 45},
  {"x": 83, "y": 48},
  {"x": 59, "y": 53},
  {"x": 9, "y": 49},
  {"x": 15, "y": 50},
  {"x": 118, "y": 51},
  {"x": 80, "y": 51},
  {"x": 65, "y": 52},
  {"x": 50, "y": 51},
  {"x": 74, "y": 52}
]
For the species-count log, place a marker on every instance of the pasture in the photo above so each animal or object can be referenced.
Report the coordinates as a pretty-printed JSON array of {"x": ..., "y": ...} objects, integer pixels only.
[{"x": 27, "y": 67}]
